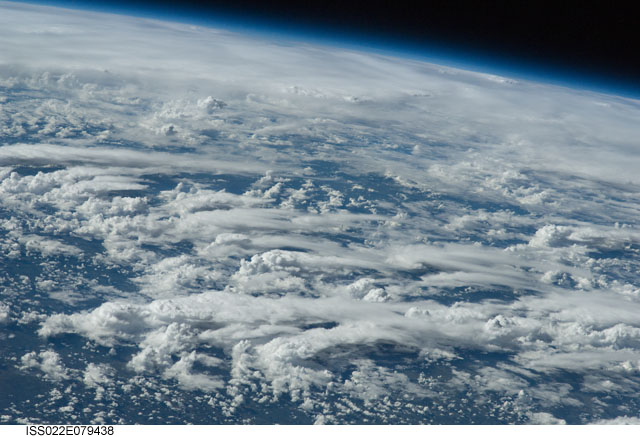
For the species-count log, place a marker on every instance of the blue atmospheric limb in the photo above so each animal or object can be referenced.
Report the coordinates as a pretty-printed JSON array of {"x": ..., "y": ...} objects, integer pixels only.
[{"x": 434, "y": 51}]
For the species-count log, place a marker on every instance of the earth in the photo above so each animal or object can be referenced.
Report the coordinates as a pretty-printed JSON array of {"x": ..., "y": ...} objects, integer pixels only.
[{"x": 204, "y": 226}]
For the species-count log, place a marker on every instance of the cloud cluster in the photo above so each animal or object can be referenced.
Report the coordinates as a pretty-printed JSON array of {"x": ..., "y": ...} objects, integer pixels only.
[{"x": 47, "y": 362}]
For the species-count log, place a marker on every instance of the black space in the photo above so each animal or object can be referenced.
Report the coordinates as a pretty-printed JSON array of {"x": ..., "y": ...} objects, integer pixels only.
[{"x": 600, "y": 40}]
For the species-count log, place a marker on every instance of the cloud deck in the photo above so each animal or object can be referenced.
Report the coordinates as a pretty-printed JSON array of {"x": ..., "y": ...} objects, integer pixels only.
[{"x": 300, "y": 234}]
